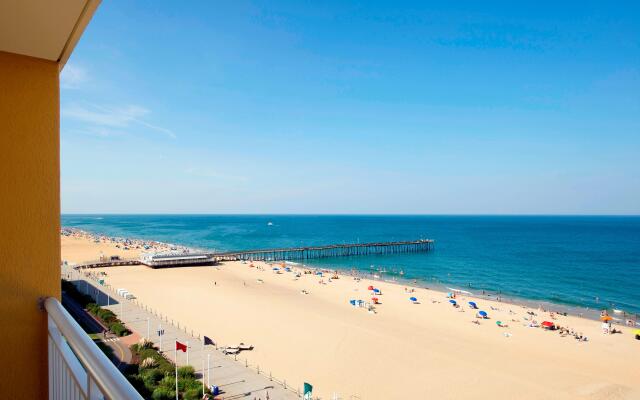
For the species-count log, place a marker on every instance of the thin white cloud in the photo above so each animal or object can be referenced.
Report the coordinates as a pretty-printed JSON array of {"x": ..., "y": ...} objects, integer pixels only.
[
  {"x": 73, "y": 76},
  {"x": 101, "y": 118}
]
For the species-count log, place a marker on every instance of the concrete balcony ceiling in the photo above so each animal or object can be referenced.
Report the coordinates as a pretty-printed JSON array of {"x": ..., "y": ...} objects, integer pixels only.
[{"x": 43, "y": 28}]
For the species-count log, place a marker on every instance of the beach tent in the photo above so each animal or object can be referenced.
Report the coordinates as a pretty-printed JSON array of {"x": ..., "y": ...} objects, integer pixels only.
[
  {"x": 453, "y": 302},
  {"x": 483, "y": 314},
  {"x": 413, "y": 299},
  {"x": 547, "y": 324},
  {"x": 473, "y": 305},
  {"x": 370, "y": 288}
]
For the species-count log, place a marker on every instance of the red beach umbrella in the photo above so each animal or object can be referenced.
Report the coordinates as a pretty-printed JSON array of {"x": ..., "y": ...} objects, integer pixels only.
[
  {"x": 370, "y": 288},
  {"x": 547, "y": 324}
]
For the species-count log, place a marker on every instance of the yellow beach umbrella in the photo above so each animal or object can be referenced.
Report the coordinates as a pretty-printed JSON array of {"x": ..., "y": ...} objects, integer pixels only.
[{"x": 636, "y": 332}]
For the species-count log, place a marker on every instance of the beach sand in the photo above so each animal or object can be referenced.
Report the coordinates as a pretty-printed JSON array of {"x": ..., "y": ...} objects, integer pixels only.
[{"x": 404, "y": 351}]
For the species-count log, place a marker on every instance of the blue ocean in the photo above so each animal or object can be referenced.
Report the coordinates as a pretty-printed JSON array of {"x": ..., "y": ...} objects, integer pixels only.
[{"x": 577, "y": 261}]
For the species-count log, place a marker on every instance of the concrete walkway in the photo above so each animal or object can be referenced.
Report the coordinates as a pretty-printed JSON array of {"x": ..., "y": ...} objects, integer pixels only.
[
  {"x": 235, "y": 380},
  {"x": 121, "y": 354}
]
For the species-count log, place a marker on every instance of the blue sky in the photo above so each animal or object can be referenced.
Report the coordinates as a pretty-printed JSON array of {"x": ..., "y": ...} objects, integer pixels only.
[{"x": 354, "y": 107}]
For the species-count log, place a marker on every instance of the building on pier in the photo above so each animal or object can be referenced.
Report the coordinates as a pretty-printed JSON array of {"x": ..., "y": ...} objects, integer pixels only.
[{"x": 164, "y": 260}]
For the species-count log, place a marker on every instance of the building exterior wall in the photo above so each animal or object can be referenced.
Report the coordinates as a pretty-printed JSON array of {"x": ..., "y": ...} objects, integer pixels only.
[{"x": 29, "y": 219}]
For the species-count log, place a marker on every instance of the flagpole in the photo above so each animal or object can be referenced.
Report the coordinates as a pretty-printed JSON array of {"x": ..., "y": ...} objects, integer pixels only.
[
  {"x": 203, "y": 377},
  {"x": 187, "y": 352},
  {"x": 176, "y": 362},
  {"x": 208, "y": 370}
]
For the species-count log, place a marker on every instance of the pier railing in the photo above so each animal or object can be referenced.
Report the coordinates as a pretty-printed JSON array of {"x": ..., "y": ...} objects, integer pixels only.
[{"x": 333, "y": 250}]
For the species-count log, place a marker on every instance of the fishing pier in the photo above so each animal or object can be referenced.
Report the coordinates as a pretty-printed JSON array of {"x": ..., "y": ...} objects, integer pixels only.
[
  {"x": 333, "y": 250},
  {"x": 283, "y": 254}
]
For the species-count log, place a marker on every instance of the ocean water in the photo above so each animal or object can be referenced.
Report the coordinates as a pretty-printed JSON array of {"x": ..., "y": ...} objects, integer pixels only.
[{"x": 582, "y": 261}]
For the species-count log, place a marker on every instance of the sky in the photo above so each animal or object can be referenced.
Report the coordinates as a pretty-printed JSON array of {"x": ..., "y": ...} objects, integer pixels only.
[{"x": 354, "y": 107}]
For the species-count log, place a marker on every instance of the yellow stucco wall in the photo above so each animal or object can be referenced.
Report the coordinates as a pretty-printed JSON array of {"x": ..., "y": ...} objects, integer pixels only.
[{"x": 29, "y": 219}]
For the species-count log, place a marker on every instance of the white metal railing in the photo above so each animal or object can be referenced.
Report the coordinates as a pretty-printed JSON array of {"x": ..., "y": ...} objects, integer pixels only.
[{"x": 78, "y": 369}]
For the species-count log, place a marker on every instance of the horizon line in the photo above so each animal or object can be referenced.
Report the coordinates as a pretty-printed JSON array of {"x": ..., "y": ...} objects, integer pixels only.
[{"x": 356, "y": 214}]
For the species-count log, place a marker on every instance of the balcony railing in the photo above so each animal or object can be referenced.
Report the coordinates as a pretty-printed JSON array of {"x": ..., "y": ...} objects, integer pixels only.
[{"x": 78, "y": 369}]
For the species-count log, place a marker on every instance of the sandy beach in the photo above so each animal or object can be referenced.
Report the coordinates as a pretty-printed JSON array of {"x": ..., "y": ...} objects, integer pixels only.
[{"x": 403, "y": 350}]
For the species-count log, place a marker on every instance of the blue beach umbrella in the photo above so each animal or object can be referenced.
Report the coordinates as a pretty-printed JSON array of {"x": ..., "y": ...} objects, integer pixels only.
[
  {"x": 452, "y": 302},
  {"x": 275, "y": 268},
  {"x": 473, "y": 304},
  {"x": 413, "y": 299},
  {"x": 353, "y": 302},
  {"x": 483, "y": 314},
  {"x": 376, "y": 290}
]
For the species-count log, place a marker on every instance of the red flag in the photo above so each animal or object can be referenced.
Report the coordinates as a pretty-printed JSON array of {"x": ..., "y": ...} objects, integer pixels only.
[{"x": 180, "y": 346}]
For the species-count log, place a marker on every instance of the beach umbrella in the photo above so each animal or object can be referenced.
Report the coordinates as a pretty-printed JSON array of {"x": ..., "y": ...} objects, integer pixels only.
[
  {"x": 374, "y": 299},
  {"x": 498, "y": 323},
  {"x": 370, "y": 288},
  {"x": 452, "y": 302},
  {"x": 547, "y": 324},
  {"x": 606, "y": 318},
  {"x": 449, "y": 294},
  {"x": 637, "y": 333},
  {"x": 413, "y": 299},
  {"x": 483, "y": 314},
  {"x": 472, "y": 304},
  {"x": 275, "y": 268},
  {"x": 353, "y": 302},
  {"x": 376, "y": 290}
]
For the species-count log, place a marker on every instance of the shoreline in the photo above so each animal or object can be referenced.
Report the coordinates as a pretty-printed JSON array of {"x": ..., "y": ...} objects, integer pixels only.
[{"x": 417, "y": 283}]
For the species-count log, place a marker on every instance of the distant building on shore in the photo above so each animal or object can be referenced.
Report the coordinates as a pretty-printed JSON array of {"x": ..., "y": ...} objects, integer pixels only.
[{"x": 166, "y": 260}]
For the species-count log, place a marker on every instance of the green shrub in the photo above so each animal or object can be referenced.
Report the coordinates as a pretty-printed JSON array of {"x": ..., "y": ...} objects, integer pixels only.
[
  {"x": 106, "y": 315},
  {"x": 188, "y": 384},
  {"x": 169, "y": 382},
  {"x": 118, "y": 329},
  {"x": 186, "y": 372},
  {"x": 151, "y": 377},
  {"x": 165, "y": 367},
  {"x": 163, "y": 393},
  {"x": 146, "y": 353},
  {"x": 92, "y": 307},
  {"x": 192, "y": 394}
]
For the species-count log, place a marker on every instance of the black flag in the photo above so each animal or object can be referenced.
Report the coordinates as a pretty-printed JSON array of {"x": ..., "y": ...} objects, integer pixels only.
[{"x": 207, "y": 340}]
